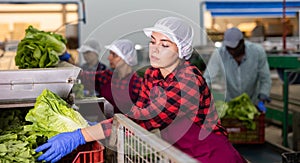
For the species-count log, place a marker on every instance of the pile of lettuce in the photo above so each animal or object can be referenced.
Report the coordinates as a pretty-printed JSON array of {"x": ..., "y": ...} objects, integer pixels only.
[
  {"x": 17, "y": 145},
  {"x": 240, "y": 108},
  {"x": 52, "y": 115},
  {"x": 39, "y": 49},
  {"x": 23, "y": 130}
]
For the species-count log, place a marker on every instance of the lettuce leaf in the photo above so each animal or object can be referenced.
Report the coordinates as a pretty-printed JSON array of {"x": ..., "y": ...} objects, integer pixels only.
[
  {"x": 51, "y": 115},
  {"x": 39, "y": 49}
]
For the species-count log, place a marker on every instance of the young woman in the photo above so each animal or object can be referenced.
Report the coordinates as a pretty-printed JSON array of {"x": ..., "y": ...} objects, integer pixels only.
[{"x": 174, "y": 98}]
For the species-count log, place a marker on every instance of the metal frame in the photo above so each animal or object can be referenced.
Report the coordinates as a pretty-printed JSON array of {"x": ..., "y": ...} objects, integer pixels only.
[
  {"x": 135, "y": 144},
  {"x": 286, "y": 103},
  {"x": 291, "y": 63}
]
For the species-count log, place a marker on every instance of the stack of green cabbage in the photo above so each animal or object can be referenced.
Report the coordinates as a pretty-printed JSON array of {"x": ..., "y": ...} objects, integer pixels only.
[{"x": 39, "y": 49}]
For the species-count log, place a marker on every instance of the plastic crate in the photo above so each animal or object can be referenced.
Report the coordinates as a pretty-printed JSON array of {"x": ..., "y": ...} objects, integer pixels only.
[
  {"x": 89, "y": 153},
  {"x": 239, "y": 134},
  {"x": 291, "y": 157}
]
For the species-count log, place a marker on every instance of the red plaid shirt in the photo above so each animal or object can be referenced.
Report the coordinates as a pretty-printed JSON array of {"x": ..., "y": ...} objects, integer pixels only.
[
  {"x": 105, "y": 82},
  {"x": 183, "y": 92},
  {"x": 89, "y": 83}
]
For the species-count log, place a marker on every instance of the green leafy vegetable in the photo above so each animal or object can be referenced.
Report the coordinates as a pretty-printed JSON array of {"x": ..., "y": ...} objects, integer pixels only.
[
  {"x": 51, "y": 115},
  {"x": 17, "y": 145},
  {"x": 39, "y": 49},
  {"x": 240, "y": 108},
  {"x": 78, "y": 89},
  {"x": 20, "y": 138}
]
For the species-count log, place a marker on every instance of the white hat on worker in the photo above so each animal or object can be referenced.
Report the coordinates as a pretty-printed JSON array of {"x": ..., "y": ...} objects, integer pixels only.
[
  {"x": 178, "y": 31},
  {"x": 90, "y": 45},
  {"x": 125, "y": 49}
]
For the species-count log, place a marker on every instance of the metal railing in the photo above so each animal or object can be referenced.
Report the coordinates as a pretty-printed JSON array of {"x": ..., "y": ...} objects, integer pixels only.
[{"x": 135, "y": 144}]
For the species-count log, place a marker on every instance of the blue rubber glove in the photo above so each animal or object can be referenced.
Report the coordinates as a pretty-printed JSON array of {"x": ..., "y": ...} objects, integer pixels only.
[
  {"x": 60, "y": 145},
  {"x": 65, "y": 57},
  {"x": 261, "y": 106},
  {"x": 92, "y": 123}
]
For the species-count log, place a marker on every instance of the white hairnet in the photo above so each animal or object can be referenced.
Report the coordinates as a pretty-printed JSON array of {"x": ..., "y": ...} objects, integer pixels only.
[
  {"x": 178, "y": 31},
  {"x": 125, "y": 49},
  {"x": 90, "y": 45}
]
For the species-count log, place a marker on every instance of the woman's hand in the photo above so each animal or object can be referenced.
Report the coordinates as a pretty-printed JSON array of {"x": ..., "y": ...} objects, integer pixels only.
[{"x": 60, "y": 145}]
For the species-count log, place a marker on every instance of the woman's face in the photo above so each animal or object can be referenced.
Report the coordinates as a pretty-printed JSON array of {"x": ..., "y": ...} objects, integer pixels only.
[
  {"x": 90, "y": 57},
  {"x": 163, "y": 53},
  {"x": 114, "y": 59}
]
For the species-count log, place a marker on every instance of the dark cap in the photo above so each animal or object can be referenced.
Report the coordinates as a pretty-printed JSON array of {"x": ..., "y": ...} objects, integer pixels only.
[{"x": 232, "y": 37}]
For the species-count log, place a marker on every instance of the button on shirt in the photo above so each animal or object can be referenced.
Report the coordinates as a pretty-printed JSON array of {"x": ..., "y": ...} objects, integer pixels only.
[
  {"x": 252, "y": 76},
  {"x": 183, "y": 93}
]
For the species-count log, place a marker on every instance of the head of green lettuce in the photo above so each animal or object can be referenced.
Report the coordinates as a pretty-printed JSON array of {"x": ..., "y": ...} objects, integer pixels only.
[
  {"x": 51, "y": 115},
  {"x": 39, "y": 49}
]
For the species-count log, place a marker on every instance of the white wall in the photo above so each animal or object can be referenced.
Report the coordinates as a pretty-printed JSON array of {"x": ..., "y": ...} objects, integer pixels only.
[{"x": 108, "y": 20}]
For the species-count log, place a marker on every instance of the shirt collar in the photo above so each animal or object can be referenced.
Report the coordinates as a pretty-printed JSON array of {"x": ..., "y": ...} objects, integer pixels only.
[
  {"x": 244, "y": 58},
  {"x": 170, "y": 77}
]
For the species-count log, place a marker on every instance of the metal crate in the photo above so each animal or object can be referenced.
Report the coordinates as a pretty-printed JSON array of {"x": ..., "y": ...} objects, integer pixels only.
[
  {"x": 136, "y": 144},
  {"x": 27, "y": 84}
]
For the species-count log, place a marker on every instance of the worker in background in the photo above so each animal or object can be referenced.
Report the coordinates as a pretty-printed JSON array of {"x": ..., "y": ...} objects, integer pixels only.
[
  {"x": 120, "y": 85},
  {"x": 90, "y": 50},
  {"x": 245, "y": 66},
  {"x": 174, "y": 98}
]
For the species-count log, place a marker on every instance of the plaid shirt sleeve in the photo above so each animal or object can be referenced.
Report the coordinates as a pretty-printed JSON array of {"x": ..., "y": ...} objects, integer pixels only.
[
  {"x": 135, "y": 87},
  {"x": 107, "y": 126}
]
